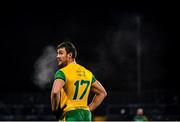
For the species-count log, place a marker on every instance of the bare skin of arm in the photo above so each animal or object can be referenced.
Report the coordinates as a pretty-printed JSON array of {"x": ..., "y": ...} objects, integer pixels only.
[
  {"x": 100, "y": 94},
  {"x": 55, "y": 93}
]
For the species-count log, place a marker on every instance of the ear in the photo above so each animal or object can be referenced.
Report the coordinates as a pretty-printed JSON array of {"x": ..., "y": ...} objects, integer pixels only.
[{"x": 70, "y": 55}]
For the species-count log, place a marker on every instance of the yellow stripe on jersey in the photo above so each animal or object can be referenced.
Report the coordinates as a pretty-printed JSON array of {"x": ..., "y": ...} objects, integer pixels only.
[{"x": 77, "y": 86}]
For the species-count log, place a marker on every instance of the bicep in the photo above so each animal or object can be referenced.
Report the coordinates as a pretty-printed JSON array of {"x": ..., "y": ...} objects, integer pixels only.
[
  {"x": 57, "y": 85},
  {"x": 97, "y": 88}
]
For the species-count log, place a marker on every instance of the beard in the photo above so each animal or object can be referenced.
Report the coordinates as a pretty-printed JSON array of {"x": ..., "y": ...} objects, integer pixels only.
[{"x": 62, "y": 65}]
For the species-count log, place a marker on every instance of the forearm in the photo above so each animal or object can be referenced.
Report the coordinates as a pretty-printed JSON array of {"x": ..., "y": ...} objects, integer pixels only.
[
  {"x": 55, "y": 93},
  {"x": 97, "y": 100},
  {"x": 55, "y": 99}
]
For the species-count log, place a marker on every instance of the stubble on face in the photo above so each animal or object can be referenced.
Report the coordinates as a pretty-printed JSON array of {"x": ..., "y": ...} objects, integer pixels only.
[{"x": 61, "y": 57}]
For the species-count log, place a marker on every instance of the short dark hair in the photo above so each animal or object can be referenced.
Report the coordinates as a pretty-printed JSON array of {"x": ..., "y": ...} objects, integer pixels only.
[{"x": 69, "y": 47}]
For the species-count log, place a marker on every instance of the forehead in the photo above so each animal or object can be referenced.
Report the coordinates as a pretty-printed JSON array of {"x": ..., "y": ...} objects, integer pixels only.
[{"x": 61, "y": 49}]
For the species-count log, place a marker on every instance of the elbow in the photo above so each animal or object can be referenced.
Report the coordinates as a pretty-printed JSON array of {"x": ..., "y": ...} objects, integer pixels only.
[
  {"x": 104, "y": 94},
  {"x": 55, "y": 91}
]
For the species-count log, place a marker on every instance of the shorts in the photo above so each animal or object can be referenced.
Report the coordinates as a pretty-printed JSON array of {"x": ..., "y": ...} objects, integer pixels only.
[{"x": 78, "y": 115}]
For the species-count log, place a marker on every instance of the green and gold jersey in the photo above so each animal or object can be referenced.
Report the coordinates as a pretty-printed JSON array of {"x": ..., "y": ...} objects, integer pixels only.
[{"x": 78, "y": 81}]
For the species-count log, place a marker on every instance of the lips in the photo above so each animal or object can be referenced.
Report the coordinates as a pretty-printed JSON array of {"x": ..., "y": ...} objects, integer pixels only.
[{"x": 59, "y": 61}]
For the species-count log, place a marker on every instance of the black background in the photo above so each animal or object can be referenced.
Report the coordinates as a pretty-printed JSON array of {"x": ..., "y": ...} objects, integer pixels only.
[{"x": 27, "y": 28}]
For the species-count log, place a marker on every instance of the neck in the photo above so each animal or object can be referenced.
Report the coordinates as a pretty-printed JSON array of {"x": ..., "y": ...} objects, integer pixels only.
[{"x": 71, "y": 61}]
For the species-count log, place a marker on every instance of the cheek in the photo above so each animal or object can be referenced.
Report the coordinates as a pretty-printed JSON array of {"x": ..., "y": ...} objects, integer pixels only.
[{"x": 63, "y": 57}]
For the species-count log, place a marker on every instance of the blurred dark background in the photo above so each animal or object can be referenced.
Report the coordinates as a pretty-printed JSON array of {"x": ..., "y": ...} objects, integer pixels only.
[{"x": 130, "y": 48}]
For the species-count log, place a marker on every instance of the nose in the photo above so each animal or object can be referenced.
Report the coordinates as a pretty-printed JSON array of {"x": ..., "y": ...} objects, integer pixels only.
[{"x": 57, "y": 56}]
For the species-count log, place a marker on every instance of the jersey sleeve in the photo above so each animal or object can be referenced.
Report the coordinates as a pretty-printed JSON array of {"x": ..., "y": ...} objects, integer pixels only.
[
  {"x": 60, "y": 75},
  {"x": 93, "y": 79}
]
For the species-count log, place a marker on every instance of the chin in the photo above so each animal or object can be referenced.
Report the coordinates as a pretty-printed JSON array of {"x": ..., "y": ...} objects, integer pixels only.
[{"x": 61, "y": 65}]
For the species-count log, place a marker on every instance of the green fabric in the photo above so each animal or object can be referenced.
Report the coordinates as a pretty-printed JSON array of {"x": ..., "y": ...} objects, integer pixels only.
[
  {"x": 93, "y": 79},
  {"x": 140, "y": 118},
  {"x": 78, "y": 115},
  {"x": 60, "y": 75}
]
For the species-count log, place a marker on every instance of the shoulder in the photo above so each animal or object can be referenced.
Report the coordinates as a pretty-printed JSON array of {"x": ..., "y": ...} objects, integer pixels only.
[
  {"x": 90, "y": 74},
  {"x": 60, "y": 74},
  {"x": 59, "y": 71},
  {"x": 85, "y": 69}
]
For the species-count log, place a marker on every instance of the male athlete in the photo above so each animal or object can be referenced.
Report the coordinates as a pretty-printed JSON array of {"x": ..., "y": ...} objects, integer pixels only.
[{"x": 72, "y": 86}]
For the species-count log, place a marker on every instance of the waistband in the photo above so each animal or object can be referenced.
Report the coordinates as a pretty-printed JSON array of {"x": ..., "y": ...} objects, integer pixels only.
[{"x": 74, "y": 108}]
